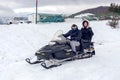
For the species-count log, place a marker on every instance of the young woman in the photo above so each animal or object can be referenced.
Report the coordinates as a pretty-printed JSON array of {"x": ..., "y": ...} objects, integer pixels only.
[{"x": 87, "y": 34}]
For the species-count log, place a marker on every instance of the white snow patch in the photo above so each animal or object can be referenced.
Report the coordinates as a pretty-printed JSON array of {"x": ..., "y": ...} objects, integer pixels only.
[{"x": 21, "y": 41}]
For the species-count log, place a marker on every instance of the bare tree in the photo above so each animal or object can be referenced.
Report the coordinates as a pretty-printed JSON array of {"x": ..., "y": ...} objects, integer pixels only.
[{"x": 114, "y": 23}]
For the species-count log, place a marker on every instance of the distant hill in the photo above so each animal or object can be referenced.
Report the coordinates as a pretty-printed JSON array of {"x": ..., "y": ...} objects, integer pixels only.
[{"x": 97, "y": 11}]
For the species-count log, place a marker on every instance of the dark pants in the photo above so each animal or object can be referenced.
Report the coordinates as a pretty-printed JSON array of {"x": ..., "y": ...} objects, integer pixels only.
[{"x": 85, "y": 44}]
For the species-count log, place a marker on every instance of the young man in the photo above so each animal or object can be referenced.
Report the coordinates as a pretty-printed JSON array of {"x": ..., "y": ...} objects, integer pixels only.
[
  {"x": 75, "y": 37},
  {"x": 87, "y": 34}
]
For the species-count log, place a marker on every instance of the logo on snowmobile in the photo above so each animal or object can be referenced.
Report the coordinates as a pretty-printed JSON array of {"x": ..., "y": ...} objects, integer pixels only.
[{"x": 67, "y": 53}]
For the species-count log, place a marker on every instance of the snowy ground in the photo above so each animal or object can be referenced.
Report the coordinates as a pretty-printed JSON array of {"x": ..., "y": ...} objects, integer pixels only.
[{"x": 18, "y": 42}]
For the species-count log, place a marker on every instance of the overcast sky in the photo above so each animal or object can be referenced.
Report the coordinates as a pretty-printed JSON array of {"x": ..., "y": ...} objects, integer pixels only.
[{"x": 10, "y": 7}]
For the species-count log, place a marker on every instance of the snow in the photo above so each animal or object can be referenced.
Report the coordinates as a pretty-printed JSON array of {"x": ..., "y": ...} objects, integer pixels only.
[
  {"x": 21, "y": 41},
  {"x": 85, "y": 14}
]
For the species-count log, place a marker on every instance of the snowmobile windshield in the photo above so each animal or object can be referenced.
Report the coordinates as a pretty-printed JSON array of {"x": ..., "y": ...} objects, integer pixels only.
[{"x": 57, "y": 37}]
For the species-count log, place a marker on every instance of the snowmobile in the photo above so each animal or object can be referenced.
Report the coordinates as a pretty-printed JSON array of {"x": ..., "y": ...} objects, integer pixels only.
[{"x": 58, "y": 51}]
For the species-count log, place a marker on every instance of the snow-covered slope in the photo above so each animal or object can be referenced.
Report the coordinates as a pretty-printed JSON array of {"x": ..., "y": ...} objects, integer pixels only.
[{"x": 18, "y": 42}]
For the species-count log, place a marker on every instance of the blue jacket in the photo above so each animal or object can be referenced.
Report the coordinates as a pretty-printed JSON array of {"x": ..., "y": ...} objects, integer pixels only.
[
  {"x": 74, "y": 35},
  {"x": 87, "y": 33}
]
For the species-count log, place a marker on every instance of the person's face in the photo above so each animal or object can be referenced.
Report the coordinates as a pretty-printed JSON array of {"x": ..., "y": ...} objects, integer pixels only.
[
  {"x": 74, "y": 27},
  {"x": 85, "y": 24}
]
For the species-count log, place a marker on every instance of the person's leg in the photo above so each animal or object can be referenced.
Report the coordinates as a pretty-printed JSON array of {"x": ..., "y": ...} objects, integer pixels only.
[
  {"x": 74, "y": 44},
  {"x": 85, "y": 44}
]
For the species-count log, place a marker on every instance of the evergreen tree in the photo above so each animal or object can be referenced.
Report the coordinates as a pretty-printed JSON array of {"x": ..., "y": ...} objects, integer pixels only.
[{"x": 114, "y": 8}]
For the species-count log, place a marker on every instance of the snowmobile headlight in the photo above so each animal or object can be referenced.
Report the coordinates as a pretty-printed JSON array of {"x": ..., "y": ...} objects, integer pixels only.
[
  {"x": 52, "y": 43},
  {"x": 42, "y": 54}
]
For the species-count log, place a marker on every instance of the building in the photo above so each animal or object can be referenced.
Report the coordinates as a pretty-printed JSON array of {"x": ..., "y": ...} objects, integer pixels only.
[
  {"x": 45, "y": 18},
  {"x": 20, "y": 19},
  {"x": 5, "y": 20},
  {"x": 13, "y": 20}
]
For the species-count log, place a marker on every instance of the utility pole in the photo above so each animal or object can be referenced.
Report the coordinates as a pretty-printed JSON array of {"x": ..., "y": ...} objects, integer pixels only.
[{"x": 36, "y": 11}]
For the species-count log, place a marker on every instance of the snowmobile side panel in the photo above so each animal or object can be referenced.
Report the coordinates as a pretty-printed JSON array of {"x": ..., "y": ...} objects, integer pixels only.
[{"x": 63, "y": 55}]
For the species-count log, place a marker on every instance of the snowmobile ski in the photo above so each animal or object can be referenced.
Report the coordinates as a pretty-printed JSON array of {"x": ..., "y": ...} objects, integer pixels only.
[
  {"x": 44, "y": 65},
  {"x": 49, "y": 67},
  {"x": 35, "y": 62}
]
